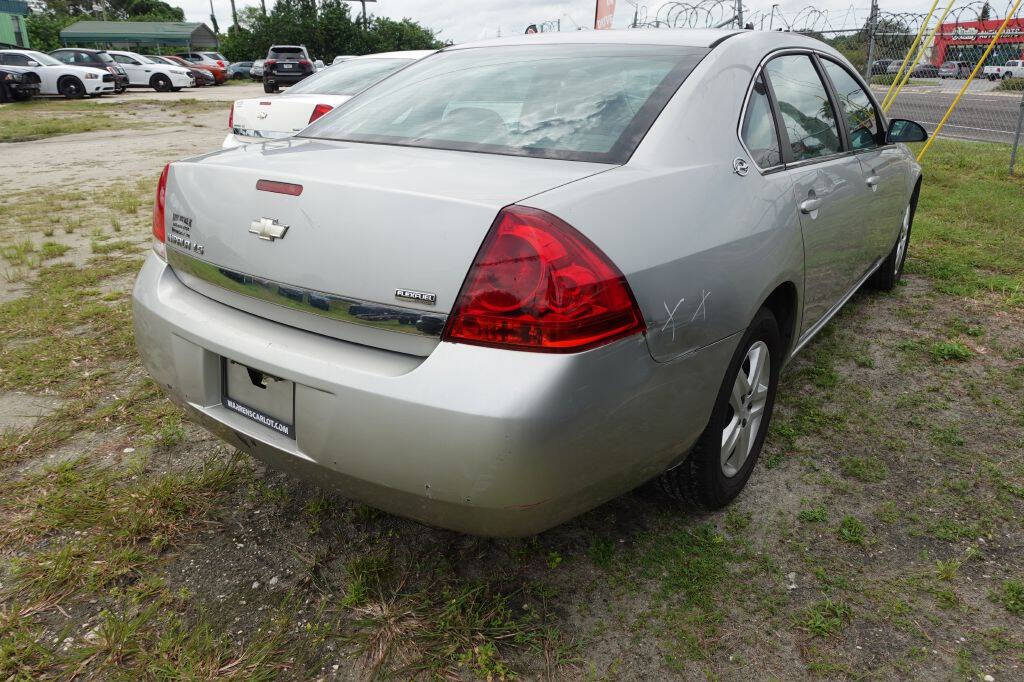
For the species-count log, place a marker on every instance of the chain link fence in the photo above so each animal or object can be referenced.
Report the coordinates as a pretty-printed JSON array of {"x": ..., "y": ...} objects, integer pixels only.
[{"x": 919, "y": 64}]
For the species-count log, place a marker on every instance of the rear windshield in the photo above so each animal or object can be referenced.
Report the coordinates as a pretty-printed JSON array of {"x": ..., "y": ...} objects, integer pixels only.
[
  {"x": 348, "y": 78},
  {"x": 575, "y": 102},
  {"x": 286, "y": 53}
]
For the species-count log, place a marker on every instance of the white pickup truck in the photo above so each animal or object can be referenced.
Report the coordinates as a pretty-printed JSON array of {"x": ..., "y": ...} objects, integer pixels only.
[{"x": 1011, "y": 69}]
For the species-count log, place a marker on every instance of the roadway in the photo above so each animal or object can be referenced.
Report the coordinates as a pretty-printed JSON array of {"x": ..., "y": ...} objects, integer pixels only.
[{"x": 987, "y": 117}]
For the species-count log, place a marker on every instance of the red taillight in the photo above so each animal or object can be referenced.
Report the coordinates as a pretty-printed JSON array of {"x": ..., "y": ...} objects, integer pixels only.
[
  {"x": 305, "y": 62},
  {"x": 537, "y": 284},
  {"x": 318, "y": 111},
  {"x": 231, "y": 117},
  {"x": 159, "y": 228},
  {"x": 269, "y": 62}
]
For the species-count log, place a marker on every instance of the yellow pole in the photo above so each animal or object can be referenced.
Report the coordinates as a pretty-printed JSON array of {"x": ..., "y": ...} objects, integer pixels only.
[
  {"x": 977, "y": 66},
  {"x": 917, "y": 59},
  {"x": 913, "y": 45}
]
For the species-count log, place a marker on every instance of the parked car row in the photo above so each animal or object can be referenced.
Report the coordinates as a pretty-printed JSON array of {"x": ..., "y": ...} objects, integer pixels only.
[{"x": 74, "y": 72}]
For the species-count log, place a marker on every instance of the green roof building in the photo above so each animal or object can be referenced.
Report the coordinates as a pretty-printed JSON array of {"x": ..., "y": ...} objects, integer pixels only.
[
  {"x": 134, "y": 34},
  {"x": 13, "y": 32}
]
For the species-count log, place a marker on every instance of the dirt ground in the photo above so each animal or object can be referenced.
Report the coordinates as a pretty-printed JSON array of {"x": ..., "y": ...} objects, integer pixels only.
[{"x": 880, "y": 537}]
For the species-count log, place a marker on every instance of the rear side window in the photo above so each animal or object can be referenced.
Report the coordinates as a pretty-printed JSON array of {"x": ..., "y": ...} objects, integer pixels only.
[
  {"x": 806, "y": 110},
  {"x": 862, "y": 119},
  {"x": 575, "y": 102},
  {"x": 66, "y": 57},
  {"x": 758, "y": 132}
]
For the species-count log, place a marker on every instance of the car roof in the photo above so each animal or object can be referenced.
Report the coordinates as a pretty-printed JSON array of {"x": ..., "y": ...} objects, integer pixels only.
[
  {"x": 755, "y": 41},
  {"x": 409, "y": 54},
  {"x": 704, "y": 37}
]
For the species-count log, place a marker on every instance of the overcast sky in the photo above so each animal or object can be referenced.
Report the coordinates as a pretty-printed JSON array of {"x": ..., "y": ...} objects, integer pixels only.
[{"x": 465, "y": 20}]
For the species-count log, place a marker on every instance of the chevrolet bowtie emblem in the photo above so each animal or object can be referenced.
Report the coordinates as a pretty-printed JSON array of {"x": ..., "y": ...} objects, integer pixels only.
[{"x": 268, "y": 228}]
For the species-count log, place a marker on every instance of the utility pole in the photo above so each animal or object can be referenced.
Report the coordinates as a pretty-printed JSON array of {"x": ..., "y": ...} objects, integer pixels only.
[
  {"x": 234, "y": 14},
  {"x": 872, "y": 28},
  {"x": 771, "y": 22},
  {"x": 739, "y": 13},
  {"x": 263, "y": 4},
  {"x": 1016, "y": 138}
]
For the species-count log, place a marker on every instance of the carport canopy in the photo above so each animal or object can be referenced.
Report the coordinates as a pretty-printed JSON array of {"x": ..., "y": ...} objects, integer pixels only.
[{"x": 129, "y": 34}]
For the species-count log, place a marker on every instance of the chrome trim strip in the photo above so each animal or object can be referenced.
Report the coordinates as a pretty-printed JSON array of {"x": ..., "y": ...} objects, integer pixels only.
[
  {"x": 810, "y": 333},
  {"x": 345, "y": 309}
]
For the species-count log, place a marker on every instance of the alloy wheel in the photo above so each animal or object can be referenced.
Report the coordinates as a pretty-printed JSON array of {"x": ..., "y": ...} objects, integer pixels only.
[
  {"x": 901, "y": 245},
  {"x": 746, "y": 405}
]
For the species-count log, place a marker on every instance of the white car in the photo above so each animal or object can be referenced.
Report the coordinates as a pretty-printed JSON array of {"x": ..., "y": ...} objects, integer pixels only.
[
  {"x": 262, "y": 118},
  {"x": 1011, "y": 69},
  {"x": 143, "y": 72},
  {"x": 58, "y": 78}
]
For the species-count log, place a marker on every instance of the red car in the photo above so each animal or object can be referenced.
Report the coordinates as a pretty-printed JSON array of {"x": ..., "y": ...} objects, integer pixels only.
[{"x": 219, "y": 74}]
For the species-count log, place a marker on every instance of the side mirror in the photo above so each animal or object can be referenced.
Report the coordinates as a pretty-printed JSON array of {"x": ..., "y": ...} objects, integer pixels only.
[
  {"x": 33, "y": 62},
  {"x": 902, "y": 130}
]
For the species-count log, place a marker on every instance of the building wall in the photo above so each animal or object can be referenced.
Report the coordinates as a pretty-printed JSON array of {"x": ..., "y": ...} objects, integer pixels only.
[
  {"x": 13, "y": 30},
  {"x": 967, "y": 42}
]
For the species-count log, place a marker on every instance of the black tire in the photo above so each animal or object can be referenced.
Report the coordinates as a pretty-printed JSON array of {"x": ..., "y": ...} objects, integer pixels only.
[
  {"x": 71, "y": 88},
  {"x": 175, "y": 89},
  {"x": 160, "y": 83},
  {"x": 889, "y": 273},
  {"x": 269, "y": 89},
  {"x": 701, "y": 480}
]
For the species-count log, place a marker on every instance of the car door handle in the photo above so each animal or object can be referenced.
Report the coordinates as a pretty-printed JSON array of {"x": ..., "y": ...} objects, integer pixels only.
[
  {"x": 873, "y": 181},
  {"x": 810, "y": 205}
]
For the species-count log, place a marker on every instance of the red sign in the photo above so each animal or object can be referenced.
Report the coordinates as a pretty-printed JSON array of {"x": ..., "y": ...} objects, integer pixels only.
[
  {"x": 604, "y": 12},
  {"x": 979, "y": 33}
]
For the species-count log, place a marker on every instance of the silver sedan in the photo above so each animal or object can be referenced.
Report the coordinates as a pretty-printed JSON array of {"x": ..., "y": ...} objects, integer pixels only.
[{"x": 521, "y": 277}]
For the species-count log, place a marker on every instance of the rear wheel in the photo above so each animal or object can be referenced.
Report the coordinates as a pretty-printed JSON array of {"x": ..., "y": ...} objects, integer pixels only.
[
  {"x": 160, "y": 83},
  {"x": 720, "y": 463},
  {"x": 70, "y": 87},
  {"x": 268, "y": 88}
]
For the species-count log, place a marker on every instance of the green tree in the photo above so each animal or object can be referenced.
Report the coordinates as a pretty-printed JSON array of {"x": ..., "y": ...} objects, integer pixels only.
[{"x": 327, "y": 29}]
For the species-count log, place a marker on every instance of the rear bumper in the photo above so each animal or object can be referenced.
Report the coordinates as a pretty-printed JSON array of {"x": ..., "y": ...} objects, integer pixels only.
[
  {"x": 180, "y": 81},
  {"x": 479, "y": 440},
  {"x": 284, "y": 78},
  {"x": 232, "y": 140}
]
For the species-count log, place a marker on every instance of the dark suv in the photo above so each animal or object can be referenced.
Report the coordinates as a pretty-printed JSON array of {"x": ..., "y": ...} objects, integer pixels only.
[
  {"x": 286, "y": 65},
  {"x": 98, "y": 59}
]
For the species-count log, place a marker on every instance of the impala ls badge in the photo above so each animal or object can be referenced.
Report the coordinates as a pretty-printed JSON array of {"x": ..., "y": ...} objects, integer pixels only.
[
  {"x": 419, "y": 296},
  {"x": 268, "y": 228},
  {"x": 261, "y": 115}
]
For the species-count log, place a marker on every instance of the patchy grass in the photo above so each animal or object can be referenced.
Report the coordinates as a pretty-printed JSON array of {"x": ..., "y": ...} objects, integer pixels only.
[
  {"x": 961, "y": 238},
  {"x": 879, "y": 539}
]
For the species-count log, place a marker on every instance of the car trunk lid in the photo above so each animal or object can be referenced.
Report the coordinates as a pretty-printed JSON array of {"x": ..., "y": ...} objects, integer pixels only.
[
  {"x": 286, "y": 114},
  {"x": 377, "y": 227}
]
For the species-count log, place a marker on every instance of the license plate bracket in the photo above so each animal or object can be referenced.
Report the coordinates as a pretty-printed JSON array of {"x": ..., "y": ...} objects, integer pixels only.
[{"x": 259, "y": 396}]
